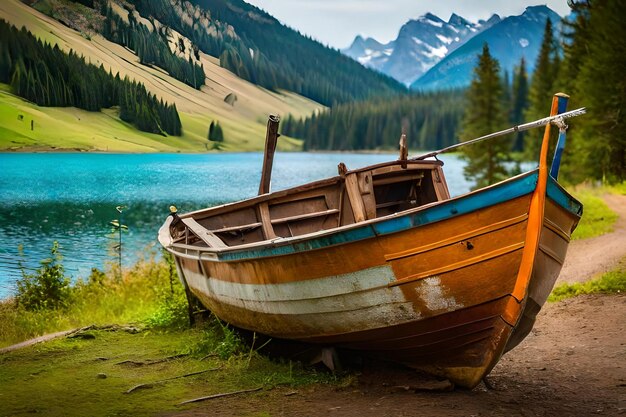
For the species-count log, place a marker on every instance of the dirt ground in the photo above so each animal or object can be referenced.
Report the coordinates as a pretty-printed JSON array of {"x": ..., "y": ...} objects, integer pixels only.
[
  {"x": 572, "y": 364},
  {"x": 589, "y": 257}
]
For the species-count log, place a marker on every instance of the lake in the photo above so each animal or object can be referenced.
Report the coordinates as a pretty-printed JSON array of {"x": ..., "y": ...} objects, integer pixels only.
[{"x": 71, "y": 198}]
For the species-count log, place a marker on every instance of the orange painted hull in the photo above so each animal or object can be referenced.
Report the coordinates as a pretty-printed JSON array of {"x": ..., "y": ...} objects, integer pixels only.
[{"x": 444, "y": 296}]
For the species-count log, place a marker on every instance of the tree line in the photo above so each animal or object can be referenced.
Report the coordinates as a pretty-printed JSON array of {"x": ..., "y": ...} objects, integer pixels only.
[
  {"x": 47, "y": 76},
  {"x": 430, "y": 121},
  {"x": 151, "y": 46}
]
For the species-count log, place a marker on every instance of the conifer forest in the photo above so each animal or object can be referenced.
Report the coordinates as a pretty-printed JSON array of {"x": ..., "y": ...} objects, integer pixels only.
[{"x": 47, "y": 76}]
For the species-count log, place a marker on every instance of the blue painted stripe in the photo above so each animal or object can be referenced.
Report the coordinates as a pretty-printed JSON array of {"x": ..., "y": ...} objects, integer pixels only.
[
  {"x": 561, "y": 197},
  {"x": 556, "y": 161},
  {"x": 562, "y": 104},
  {"x": 558, "y": 152},
  {"x": 485, "y": 198}
]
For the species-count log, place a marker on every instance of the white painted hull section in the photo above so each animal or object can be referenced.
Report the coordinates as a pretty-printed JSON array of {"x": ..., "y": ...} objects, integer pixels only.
[{"x": 318, "y": 307}]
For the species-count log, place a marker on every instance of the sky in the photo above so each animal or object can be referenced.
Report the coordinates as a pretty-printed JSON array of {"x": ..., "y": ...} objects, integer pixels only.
[{"x": 337, "y": 22}]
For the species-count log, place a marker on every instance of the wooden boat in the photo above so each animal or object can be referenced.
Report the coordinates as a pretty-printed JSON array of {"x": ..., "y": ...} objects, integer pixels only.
[{"x": 381, "y": 259}]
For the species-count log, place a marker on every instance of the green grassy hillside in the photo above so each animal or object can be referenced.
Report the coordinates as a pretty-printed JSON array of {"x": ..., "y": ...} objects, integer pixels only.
[
  {"x": 72, "y": 129},
  {"x": 243, "y": 122}
]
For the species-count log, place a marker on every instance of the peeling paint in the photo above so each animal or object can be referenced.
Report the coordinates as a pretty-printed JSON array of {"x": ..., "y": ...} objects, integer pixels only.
[{"x": 434, "y": 295}]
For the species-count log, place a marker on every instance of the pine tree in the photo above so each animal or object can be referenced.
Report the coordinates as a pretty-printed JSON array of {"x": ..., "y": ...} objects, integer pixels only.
[
  {"x": 211, "y": 129},
  {"x": 541, "y": 88},
  {"x": 485, "y": 114},
  {"x": 519, "y": 102},
  {"x": 215, "y": 132}
]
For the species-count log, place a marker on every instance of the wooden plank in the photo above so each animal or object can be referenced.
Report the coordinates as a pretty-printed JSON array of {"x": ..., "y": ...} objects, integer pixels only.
[
  {"x": 439, "y": 183},
  {"x": 399, "y": 178},
  {"x": 264, "y": 213},
  {"x": 340, "y": 214},
  {"x": 459, "y": 265},
  {"x": 206, "y": 236},
  {"x": 271, "y": 138},
  {"x": 305, "y": 216},
  {"x": 354, "y": 195},
  {"x": 556, "y": 229},
  {"x": 458, "y": 238},
  {"x": 366, "y": 186},
  {"x": 390, "y": 204},
  {"x": 535, "y": 214},
  {"x": 238, "y": 227}
]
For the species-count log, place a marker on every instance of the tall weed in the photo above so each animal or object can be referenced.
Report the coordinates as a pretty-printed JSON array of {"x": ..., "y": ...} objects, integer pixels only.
[
  {"x": 47, "y": 287},
  {"x": 146, "y": 294}
]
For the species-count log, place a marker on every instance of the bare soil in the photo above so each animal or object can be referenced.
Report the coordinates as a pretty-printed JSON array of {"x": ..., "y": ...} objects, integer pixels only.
[
  {"x": 571, "y": 364},
  {"x": 589, "y": 257}
]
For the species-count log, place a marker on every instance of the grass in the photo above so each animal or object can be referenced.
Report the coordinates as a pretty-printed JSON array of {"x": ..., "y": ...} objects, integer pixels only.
[
  {"x": 89, "y": 375},
  {"x": 73, "y": 129},
  {"x": 598, "y": 218},
  {"x": 617, "y": 188},
  {"x": 612, "y": 282},
  {"x": 141, "y": 295}
]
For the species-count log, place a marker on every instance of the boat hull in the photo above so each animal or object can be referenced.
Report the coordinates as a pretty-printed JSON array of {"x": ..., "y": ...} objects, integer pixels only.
[{"x": 441, "y": 288}]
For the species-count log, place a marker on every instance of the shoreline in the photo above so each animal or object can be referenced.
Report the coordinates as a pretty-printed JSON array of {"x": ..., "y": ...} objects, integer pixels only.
[{"x": 46, "y": 149}]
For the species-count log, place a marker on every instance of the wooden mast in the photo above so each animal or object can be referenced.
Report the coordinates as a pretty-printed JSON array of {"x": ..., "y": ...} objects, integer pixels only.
[{"x": 271, "y": 138}]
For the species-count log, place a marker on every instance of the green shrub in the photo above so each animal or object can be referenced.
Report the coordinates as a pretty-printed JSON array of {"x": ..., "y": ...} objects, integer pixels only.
[
  {"x": 146, "y": 290},
  {"x": 231, "y": 344},
  {"x": 172, "y": 312},
  {"x": 47, "y": 287}
]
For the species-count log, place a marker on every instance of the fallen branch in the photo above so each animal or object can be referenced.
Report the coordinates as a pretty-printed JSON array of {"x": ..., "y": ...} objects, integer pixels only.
[
  {"x": 68, "y": 333},
  {"x": 224, "y": 394},
  {"x": 162, "y": 381},
  {"x": 151, "y": 361},
  {"x": 36, "y": 340}
]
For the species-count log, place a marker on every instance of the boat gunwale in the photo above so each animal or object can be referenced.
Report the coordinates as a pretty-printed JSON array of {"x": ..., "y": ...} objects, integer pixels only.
[
  {"x": 214, "y": 253},
  {"x": 368, "y": 224}
]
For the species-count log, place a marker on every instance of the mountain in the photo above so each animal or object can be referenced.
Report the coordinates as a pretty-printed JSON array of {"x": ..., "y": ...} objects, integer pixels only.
[
  {"x": 369, "y": 52},
  {"x": 258, "y": 48},
  {"x": 509, "y": 40},
  {"x": 420, "y": 44},
  {"x": 215, "y": 60}
]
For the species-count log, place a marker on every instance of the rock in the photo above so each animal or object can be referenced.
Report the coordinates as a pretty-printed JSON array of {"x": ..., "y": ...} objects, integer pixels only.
[
  {"x": 101, "y": 376},
  {"x": 230, "y": 98}
]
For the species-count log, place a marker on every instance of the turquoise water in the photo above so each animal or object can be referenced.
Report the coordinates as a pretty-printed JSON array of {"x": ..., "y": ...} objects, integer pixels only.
[{"x": 71, "y": 198}]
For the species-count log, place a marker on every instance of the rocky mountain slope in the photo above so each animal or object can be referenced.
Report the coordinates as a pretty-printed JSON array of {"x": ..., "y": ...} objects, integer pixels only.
[
  {"x": 509, "y": 40},
  {"x": 420, "y": 44},
  {"x": 430, "y": 53}
]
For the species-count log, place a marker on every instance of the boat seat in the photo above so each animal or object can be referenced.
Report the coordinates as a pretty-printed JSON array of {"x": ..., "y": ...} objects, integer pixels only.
[{"x": 203, "y": 234}]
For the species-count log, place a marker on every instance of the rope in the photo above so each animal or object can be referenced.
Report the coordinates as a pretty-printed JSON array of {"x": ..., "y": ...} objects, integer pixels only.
[{"x": 557, "y": 120}]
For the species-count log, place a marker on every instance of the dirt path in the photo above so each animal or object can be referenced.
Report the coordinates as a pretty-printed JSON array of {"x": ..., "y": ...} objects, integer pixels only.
[
  {"x": 588, "y": 257},
  {"x": 572, "y": 363}
]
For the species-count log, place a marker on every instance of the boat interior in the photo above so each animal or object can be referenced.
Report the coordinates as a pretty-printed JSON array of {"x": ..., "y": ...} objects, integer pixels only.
[{"x": 349, "y": 198}]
